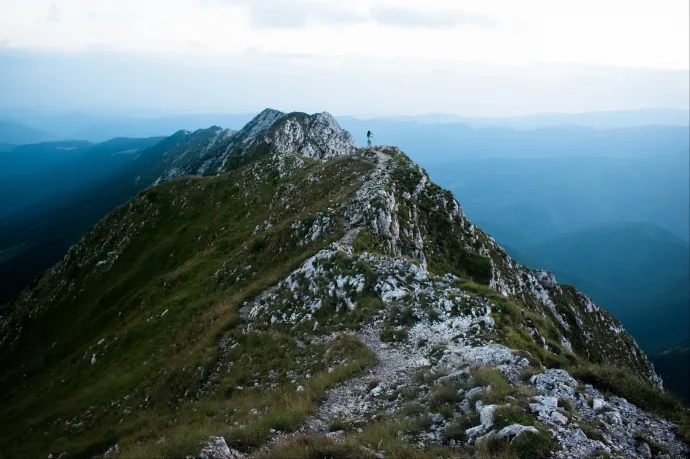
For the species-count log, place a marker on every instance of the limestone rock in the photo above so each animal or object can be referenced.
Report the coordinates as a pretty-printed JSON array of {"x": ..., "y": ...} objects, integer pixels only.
[{"x": 216, "y": 448}]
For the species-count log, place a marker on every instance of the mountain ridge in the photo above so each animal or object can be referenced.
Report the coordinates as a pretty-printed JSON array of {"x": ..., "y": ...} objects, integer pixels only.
[{"x": 249, "y": 302}]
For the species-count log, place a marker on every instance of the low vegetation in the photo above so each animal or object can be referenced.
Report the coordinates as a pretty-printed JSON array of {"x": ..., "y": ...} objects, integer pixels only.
[{"x": 621, "y": 382}]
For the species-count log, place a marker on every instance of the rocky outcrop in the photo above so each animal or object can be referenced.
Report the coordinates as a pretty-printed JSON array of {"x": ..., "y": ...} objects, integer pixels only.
[
  {"x": 213, "y": 150},
  {"x": 216, "y": 448},
  {"x": 318, "y": 137}
]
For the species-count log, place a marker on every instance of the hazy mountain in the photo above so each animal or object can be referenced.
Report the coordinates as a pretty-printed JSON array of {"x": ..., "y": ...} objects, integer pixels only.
[
  {"x": 434, "y": 144},
  {"x": 32, "y": 173},
  {"x": 36, "y": 157},
  {"x": 598, "y": 120},
  {"x": 12, "y": 132},
  {"x": 297, "y": 284},
  {"x": 98, "y": 128}
]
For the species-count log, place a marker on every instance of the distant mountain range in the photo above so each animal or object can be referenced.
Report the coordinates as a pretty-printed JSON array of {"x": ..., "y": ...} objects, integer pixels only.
[
  {"x": 31, "y": 126},
  {"x": 94, "y": 128},
  {"x": 600, "y": 120},
  {"x": 15, "y": 133}
]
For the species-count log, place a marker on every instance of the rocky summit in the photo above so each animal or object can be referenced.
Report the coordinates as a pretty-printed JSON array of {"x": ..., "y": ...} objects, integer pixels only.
[{"x": 280, "y": 293}]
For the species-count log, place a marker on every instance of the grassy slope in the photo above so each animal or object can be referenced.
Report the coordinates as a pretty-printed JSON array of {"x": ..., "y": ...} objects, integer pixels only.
[{"x": 179, "y": 236}]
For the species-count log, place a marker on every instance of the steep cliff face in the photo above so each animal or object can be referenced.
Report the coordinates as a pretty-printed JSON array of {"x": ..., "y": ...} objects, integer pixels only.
[{"x": 315, "y": 300}]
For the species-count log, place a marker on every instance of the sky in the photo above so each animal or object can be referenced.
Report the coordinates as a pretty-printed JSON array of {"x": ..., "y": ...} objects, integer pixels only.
[{"x": 360, "y": 57}]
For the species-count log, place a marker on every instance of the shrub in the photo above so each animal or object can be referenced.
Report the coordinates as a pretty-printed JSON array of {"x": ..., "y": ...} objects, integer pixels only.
[
  {"x": 526, "y": 446},
  {"x": 442, "y": 396},
  {"x": 389, "y": 335},
  {"x": 656, "y": 448},
  {"x": 411, "y": 409},
  {"x": 336, "y": 425},
  {"x": 456, "y": 431},
  {"x": 566, "y": 403},
  {"x": 487, "y": 376}
]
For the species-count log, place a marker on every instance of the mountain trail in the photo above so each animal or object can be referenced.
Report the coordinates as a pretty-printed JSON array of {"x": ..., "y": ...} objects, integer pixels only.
[{"x": 357, "y": 399}]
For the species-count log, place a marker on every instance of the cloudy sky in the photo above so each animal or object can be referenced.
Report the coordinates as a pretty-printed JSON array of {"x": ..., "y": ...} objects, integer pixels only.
[{"x": 367, "y": 57}]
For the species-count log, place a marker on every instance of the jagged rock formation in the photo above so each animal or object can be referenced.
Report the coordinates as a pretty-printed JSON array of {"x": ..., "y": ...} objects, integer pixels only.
[
  {"x": 314, "y": 298},
  {"x": 213, "y": 150}
]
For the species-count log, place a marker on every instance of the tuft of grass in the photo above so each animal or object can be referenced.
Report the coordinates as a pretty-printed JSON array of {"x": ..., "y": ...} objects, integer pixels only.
[
  {"x": 317, "y": 447},
  {"x": 411, "y": 409},
  {"x": 510, "y": 414},
  {"x": 526, "y": 446},
  {"x": 442, "y": 396},
  {"x": 488, "y": 376},
  {"x": 373, "y": 383},
  {"x": 567, "y": 404},
  {"x": 656, "y": 448},
  {"x": 389, "y": 335},
  {"x": 456, "y": 431},
  {"x": 337, "y": 424},
  {"x": 592, "y": 432}
]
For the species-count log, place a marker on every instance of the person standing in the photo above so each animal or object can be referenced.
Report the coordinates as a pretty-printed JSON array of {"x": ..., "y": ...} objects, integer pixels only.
[{"x": 370, "y": 137}]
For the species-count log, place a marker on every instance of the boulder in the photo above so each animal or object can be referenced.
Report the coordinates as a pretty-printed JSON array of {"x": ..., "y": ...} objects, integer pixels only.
[
  {"x": 513, "y": 431},
  {"x": 216, "y": 448}
]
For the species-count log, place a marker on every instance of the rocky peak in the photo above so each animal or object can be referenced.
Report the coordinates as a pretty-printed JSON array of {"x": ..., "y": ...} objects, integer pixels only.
[
  {"x": 316, "y": 136},
  {"x": 257, "y": 127}
]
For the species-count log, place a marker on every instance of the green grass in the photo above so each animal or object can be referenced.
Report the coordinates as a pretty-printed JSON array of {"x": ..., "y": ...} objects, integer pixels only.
[
  {"x": 456, "y": 430},
  {"x": 443, "y": 396},
  {"x": 510, "y": 414},
  {"x": 500, "y": 388},
  {"x": 182, "y": 248},
  {"x": 592, "y": 431},
  {"x": 411, "y": 409},
  {"x": 389, "y": 335},
  {"x": 282, "y": 409},
  {"x": 526, "y": 446},
  {"x": 656, "y": 448},
  {"x": 317, "y": 448},
  {"x": 336, "y": 425}
]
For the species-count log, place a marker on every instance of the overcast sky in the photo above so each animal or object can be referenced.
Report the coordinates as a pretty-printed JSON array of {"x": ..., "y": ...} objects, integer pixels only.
[{"x": 366, "y": 57}]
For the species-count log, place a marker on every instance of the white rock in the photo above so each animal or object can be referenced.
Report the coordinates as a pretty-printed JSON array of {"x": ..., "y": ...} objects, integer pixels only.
[
  {"x": 515, "y": 430},
  {"x": 613, "y": 417},
  {"x": 579, "y": 436},
  {"x": 486, "y": 416},
  {"x": 644, "y": 450},
  {"x": 474, "y": 392},
  {"x": 559, "y": 418},
  {"x": 473, "y": 432},
  {"x": 547, "y": 401},
  {"x": 216, "y": 448},
  {"x": 598, "y": 404},
  {"x": 436, "y": 418}
]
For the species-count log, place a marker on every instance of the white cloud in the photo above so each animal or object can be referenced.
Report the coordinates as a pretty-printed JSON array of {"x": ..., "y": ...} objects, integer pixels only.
[
  {"x": 420, "y": 18},
  {"x": 635, "y": 33},
  {"x": 53, "y": 14},
  {"x": 298, "y": 14}
]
